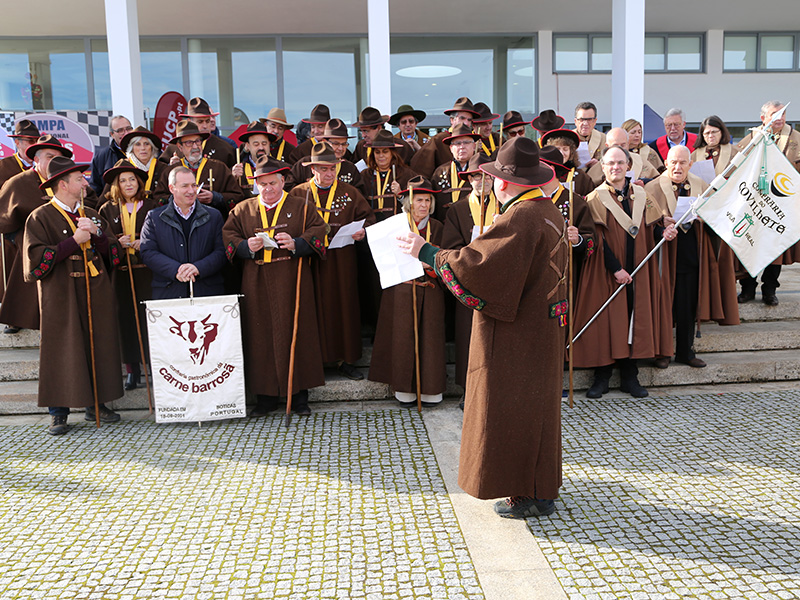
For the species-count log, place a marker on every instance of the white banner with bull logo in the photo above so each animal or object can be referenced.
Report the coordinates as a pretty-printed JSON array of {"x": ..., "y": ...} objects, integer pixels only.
[{"x": 196, "y": 357}]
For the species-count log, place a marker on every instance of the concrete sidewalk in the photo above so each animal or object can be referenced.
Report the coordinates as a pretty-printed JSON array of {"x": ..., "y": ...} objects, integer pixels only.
[{"x": 693, "y": 495}]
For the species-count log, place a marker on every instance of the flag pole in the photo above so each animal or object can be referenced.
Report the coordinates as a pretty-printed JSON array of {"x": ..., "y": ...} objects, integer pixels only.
[{"x": 714, "y": 186}]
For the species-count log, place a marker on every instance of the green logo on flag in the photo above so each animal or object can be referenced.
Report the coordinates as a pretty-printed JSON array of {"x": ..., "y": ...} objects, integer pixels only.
[{"x": 742, "y": 226}]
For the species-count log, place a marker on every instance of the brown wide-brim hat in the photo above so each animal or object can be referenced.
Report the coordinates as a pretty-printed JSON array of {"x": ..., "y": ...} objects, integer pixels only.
[
  {"x": 139, "y": 132},
  {"x": 556, "y": 133},
  {"x": 335, "y": 128},
  {"x": 486, "y": 114},
  {"x": 463, "y": 104},
  {"x": 461, "y": 130},
  {"x": 25, "y": 128},
  {"x": 553, "y": 157},
  {"x": 266, "y": 165},
  {"x": 547, "y": 121},
  {"x": 198, "y": 108},
  {"x": 407, "y": 109},
  {"x": 58, "y": 167},
  {"x": 370, "y": 117},
  {"x": 518, "y": 163},
  {"x": 474, "y": 165},
  {"x": 319, "y": 114},
  {"x": 123, "y": 166},
  {"x": 185, "y": 128},
  {"x": 419, "y": 184},
  {"x": 322, "y": 154},
  {"x": 47, "y": 141},
  {"x": 277, "y": 115},
  {"x": 256, "y": 128},
  {"x": 384, "y": 139},
  {"x": 513, "y": 118}
]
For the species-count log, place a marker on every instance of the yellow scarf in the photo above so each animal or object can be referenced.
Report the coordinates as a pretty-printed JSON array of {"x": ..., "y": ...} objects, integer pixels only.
[
  {"x": 21, "y": 164},
  {"x": 475, "y": 209},
  {"x": 415, "y": 229},
  {"x": 529, "y": 195},
  {"x": 150, "y": 173},
  {"x": 326, "y": 214},
  {"x": 128, "y": 220},
  {"x": 48, "y": 190},
  {"x": 279, "y": 155},
  {"x": 267, "y": 226},
  {"x": 381, "y": 188},
  {"x": 85, "y": 245},
  {"x": 491, "y": 144},
  {"x": 199, "y": 170},
  {"x": 454, "y": 182}
]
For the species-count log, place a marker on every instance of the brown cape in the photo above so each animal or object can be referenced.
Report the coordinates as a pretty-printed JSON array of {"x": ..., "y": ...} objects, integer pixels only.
[
  {"x": 65, "y": 373},
  {"x": 214, "y": 147},
  {"x": 441, "y": 181},
  {"x": 269, "y": 299},
  {"x": 348, "y": 173},
  {"x": 514, "y": 277},
  {"x": 432, "y": 154}
]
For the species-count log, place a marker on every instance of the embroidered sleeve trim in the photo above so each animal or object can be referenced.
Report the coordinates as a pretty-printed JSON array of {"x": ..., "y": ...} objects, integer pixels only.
[
  {"x": 589, "y": 247},
  {"x": 318, "y": 245},
  {"x": 114, "y": 253},
  {"x": 462, "y": 294},
  {"x": 48, "y": 256},
  {"x": 230, "y": 251},
  {"x": 559, "y": 310}
]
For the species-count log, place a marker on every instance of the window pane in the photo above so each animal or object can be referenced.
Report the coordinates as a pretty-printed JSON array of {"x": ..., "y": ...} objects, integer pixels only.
[
  {"x": 572, "y": 54},
  {"x": 161, "y": 70},
  {"x": 236, "y": 76},
  {"x": 777, "y": 52},
  {"x": 102, "y": 77},
  {"x": 601, "y": 53},
  {"x": 321, "y": 70},
  {"x": 654, "y": 59},
  {"x": 683, "y": 54},
  {"x": 521, "y": 84},
  {"x": 740, "y": 53},
  {"x": 43, "y": 74}
]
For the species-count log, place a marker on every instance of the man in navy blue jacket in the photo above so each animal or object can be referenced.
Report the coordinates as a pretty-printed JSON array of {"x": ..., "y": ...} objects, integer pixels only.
[
  {"x": 182, "y": 242},
  {"x": 107, "y": 157}
]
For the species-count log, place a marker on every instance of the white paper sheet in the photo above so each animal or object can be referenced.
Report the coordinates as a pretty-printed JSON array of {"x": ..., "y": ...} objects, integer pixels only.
[
  {"x": 344, "y": 236},
  {"x": 394, "y": 266},
  {"x": 684, "y": 204},
  {"x": 361, "y": 165},
  {"x": 583, "y": 154},
  {"x": 269, "y": 243},
  {"x": 704, "y": 169}
]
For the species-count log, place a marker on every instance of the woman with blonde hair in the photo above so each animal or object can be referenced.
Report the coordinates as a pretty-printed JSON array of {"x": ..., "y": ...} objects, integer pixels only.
[{"x": 635, "y": 132}]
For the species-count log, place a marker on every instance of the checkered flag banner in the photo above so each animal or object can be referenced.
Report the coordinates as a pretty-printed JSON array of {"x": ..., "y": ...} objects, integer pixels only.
[{"x": 95, "y": 122}]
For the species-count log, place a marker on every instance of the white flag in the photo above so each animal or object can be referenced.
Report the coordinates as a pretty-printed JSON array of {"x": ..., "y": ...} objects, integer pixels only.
[
  {"x": 197, "y": 359},
  {"x": 758, "y": 225}
]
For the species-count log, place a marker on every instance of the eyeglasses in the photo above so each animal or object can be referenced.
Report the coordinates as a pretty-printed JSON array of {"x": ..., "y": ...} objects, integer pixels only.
[
  {"x": 460, "y": 143},
  {"x": 190, "y": 143},
  {"x": 337, "y": 144},
  {"x": 122, "y": 129},
  {"x": 585, "y": 119},
  {"x": 515, "y": 133}
]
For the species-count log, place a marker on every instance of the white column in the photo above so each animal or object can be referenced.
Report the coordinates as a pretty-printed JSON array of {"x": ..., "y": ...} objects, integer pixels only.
[
  {"x": 380, "y": 69},
  {"x": 124, "y": 62},
  {"x": 547, "y": 84},
  {"x": 627, "y": 63}
]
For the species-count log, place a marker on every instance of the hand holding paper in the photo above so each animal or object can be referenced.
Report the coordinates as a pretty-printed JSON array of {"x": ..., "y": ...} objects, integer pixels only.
[
  {"x": 394, "y": 265},
  {"x": 344, "y": 236}
]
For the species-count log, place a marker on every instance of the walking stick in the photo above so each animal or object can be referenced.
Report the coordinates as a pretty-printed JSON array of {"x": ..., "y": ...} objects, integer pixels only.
[
  {"x": 138, "y": 323},
  {"x": 3, "y": 247},
  {"x": 483, "y": 205},
  {"x": 295, "y": 324},
  {"x": 91, "y": 324},
  {"x": 416, "y": 344},
  {"x": 569, "y": 300}
]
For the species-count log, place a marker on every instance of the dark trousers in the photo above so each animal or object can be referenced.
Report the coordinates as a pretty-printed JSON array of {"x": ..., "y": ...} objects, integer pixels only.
[
  {"x": 271, "y": 402},
  {"x": 62, "y": 411},
  {"x": 769, "y": 281},
  {"x": 684, "y": 313}
]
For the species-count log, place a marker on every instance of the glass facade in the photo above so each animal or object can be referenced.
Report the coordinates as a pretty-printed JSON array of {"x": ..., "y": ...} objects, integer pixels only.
[{"x": 761, "y": 52}]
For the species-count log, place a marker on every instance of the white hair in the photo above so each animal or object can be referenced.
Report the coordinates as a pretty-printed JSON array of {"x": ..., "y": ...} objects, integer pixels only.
[
  {"x": 675, "y": 112},
  {"x": 770, "y": 105}
]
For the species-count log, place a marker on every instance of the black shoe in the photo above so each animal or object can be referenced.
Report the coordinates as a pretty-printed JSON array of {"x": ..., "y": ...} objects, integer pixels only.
[
  {"x": 769, "y": 299},
  {"x": 746, "y": 296},
  {"x": 106, "y": 415},
  {"x": 429, "y": 404},
  {"x": 131, "y": 382},
  {"x": 634, "y": 388},
  {"x": 461, "y": 402},
  {"x": 599, "y": 387},
  {"x": 522, "y": 507},
  {"x": 661, "y": 363},
  {"x": 302, "y": 410},
  {"x": 695, "y": 362},
  {"x": 58, "y": 425},
  {"x": 349, "y": 371},
  {"x": 264, "y": 406},
  {"x": 407, "y": 404},
  {"x": 11, "y": 329}
]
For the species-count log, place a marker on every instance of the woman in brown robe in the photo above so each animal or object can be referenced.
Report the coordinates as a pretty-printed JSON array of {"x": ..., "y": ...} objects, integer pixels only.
[
  {"x": 142, "y": 148},
  {"x": 394, "y": 353},
  {"x": 635, "y": 145},
  {"x": 714, "y": 143},
  {"x": 125, "y": 211},
  {"x": 567, "y": 142}
]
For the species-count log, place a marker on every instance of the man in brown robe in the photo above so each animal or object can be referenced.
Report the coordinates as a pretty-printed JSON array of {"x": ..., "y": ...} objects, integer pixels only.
[
  {"x": 214, "y": 147},
  {"x": 277, "y": 125},
  {"x": 256, "y": 143},
  {"x": 335, "y": 135},
  {"x": 643, "y": 170},
  {"x": 336, "y": 278},
  {"x": 59, "y": 237},
  {"x": 788, "y": 141},
  {"x": 319, "y": 117},
  {"x": 490, "y": 140},
  {"x": 19, "y": 197},
  {"x": 585, "y": 120},
  {"x": 513, "y": 125},
  {"x": 514, "y": 277},
  {"x": 435, "y": 152},
  {"x": 220, "y": 188},
  {"x": 698, "y": 279},
  {"x": 269, "y": 280},
  {"x": 462, "y": 143},
  {"x": 370, "y": 123},
  {"x": 628, "y": 328},
  {"x": 406, "y": 120},
  {"x": 25, "y": 134}
]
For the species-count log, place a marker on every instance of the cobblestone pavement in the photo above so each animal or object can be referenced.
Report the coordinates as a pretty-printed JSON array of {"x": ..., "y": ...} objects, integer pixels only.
[
  {"x": 682, "y": 497},
  {"x": 341, "y": 505}
]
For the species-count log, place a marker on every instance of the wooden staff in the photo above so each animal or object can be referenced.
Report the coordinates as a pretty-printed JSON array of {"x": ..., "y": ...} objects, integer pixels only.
[
  {"x": 569, "y": 300},
  {"x": 501, "y": 135},
  {"x": 416, "y": 343},
  {"x": 394, "y": 196},
  {"x": 138, "y": 323},
  {"x": 483, "y": 206},
  {"x": 295, "y": 324},
  {"x": 91, "y": 323},
  {"x": 3, "y": 248}
]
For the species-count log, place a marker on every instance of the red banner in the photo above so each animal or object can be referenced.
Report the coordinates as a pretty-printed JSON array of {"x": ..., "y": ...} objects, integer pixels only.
[{"x": 170, "y": 105}]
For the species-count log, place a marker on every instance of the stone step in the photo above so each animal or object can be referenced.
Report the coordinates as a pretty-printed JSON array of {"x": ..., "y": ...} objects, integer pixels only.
[
  {"x": 749, "y": 336},
  {"x": 26, "y": 338},
  {"x": 788, "y": 308},
  {"x": 19, "y": 364}
]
